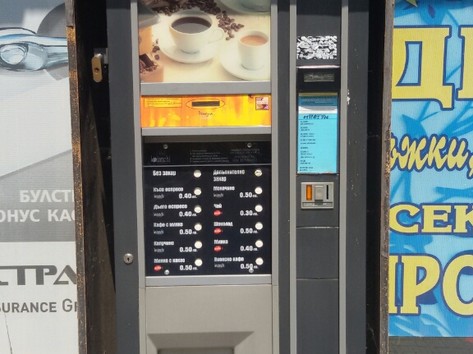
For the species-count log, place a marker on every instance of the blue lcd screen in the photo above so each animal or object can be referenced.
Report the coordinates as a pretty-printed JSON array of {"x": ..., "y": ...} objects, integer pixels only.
[{"x": 317, "y": 133}]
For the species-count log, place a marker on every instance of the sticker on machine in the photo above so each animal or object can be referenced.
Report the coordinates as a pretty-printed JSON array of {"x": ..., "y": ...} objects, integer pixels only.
[{"x": 317, "y": 47}]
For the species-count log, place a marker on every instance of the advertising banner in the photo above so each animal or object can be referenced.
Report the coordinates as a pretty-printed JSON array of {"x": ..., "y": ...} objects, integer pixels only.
[
  {"x": 431, "y": 214},
  {"x": 204, "y": 41},
  {"x": 37, "y": 247}
]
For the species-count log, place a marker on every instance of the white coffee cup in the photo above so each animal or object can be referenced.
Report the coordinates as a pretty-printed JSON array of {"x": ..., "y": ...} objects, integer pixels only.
[
  {"x": 253, "y": 47},
  {"x": 257, "y": 5},
  {"x": 193, "y": 30}
]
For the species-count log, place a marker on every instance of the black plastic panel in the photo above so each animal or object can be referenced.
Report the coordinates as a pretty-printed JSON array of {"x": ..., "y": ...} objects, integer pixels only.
[
  {"x": 207, "y": 208},
  {"x": 317, "y": 317},
  {"x": 317, "y": 253}
]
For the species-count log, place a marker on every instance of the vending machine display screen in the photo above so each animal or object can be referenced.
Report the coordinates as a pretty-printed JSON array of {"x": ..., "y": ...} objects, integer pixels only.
[{"x": 207, "y": 208}]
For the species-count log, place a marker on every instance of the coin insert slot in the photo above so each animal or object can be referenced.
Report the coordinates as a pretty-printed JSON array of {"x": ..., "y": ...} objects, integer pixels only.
[{"x": 317, "y": 195}]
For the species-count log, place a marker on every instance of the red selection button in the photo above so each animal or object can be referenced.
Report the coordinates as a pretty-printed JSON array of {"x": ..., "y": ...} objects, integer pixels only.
[
  {"x": 218, "y": 248},
  {"x": 218, "y": 212},
  {"x": 157, "y": 268},
  {"x": 218, "y": 231}
]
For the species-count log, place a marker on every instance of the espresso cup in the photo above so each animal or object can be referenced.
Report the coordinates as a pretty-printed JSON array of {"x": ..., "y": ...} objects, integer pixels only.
[
  {"x": 193, "y": 30},
  {"x": 257, "y": 5},
  {"x": 253, "y": 47}
]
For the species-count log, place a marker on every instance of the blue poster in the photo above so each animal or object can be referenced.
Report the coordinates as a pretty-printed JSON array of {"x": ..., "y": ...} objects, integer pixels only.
[{"x": 431, "y": 213}]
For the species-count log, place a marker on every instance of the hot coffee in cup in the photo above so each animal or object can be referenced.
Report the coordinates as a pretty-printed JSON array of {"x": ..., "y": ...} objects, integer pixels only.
[
  {"x": 193, "y": 30},
  {"x": 191, "y": 24},
  {"x": 253, "y": 40},
  {"x": 253, "y": 47}
]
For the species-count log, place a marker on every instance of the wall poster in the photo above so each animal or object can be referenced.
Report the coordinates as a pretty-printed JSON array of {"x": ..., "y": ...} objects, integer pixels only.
[
  {"x": 37, "y": 246},
  {"x": 431, "y": 214}
]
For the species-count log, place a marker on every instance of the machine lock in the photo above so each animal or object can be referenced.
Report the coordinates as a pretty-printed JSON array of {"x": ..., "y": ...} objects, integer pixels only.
[
  {"x": 98, "y": 62},
  {"x": 317, "y": 195}
]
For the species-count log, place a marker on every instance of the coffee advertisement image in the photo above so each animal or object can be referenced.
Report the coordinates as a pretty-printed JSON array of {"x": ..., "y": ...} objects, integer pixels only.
[
  {"x": 204, "y": 41},
  {"x": 38, "y": 306}
]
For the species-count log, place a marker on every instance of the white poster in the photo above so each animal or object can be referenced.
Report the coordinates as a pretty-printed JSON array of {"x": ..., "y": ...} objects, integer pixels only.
[{"x": 38, "y": 311}]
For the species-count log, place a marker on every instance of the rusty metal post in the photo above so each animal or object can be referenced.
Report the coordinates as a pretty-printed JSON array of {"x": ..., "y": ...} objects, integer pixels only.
[
  {"x": 385, "y": 184},
  {"x": 86, "y": 28},
  {"x": 379, "y": 133}
]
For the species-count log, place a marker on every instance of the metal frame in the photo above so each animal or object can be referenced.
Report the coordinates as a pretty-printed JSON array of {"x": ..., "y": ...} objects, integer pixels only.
[
  {"x": 122, "y": 46},
  {"x": 356, "y": 238}
]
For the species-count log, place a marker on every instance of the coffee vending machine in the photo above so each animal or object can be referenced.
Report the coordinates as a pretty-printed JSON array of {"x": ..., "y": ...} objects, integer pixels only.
[{"x": 238, "y": 160}]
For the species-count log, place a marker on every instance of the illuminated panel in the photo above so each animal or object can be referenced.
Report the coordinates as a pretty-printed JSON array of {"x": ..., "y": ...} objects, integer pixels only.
[{"x": 206, "y": 111}]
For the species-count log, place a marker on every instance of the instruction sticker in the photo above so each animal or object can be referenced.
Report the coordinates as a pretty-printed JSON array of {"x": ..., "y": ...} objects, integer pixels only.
[{"x": 317, "y": 133}]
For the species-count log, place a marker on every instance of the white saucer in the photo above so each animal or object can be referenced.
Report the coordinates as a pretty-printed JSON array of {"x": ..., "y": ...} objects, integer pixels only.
[
  {"x": 236, "y": 6},
  {"x": 207, "y": 53},
  {"x": 230, "y": 61}
]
